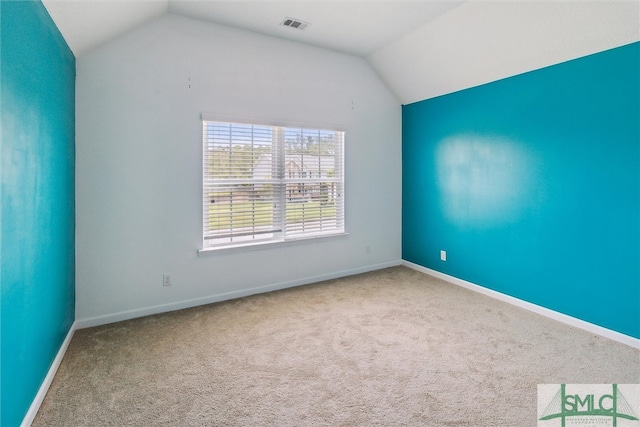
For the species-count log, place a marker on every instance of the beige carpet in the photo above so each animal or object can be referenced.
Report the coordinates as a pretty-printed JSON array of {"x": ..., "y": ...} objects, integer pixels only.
[{"x": 389, "y": 348}]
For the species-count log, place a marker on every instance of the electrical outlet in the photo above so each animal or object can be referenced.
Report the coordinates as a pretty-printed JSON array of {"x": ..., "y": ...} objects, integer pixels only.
[
  {"x": 166, "y": 280},
  {"x": 367, "y": 249},
  {"x": 443, "y": 255}
]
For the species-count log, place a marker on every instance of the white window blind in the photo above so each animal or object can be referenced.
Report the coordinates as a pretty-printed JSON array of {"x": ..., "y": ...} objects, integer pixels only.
[{"x": 267, "y": 183}]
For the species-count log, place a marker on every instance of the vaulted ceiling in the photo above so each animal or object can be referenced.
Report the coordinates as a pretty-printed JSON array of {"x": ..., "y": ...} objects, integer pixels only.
[
  {"x": 420, "y": 48},
  {"x": 356, "y": 27}
]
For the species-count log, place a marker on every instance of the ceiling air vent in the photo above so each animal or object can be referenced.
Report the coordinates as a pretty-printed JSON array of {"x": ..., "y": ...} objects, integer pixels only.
[{"x": 294, "y": 23}]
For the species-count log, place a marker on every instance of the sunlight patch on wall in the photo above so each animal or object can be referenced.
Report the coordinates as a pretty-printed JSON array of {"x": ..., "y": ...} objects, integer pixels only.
[{"x": 482, "y": 179}]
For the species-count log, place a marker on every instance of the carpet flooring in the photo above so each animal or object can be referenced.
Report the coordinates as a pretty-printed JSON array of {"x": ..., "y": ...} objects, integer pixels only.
[{"x": 393, "y": 347}]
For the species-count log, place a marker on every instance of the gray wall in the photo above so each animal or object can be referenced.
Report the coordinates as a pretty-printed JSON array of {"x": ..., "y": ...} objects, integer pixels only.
[{"x": 139, "y": 203}]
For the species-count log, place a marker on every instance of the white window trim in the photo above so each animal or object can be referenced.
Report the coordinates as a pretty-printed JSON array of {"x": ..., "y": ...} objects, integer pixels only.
[
  {"x": 289, "y": 240},
  {"x": 270, "y": 244},
  {"x": 270, "y": 121}
]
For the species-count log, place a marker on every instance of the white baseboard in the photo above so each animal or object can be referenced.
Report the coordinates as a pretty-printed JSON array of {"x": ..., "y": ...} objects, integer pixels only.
[
  {"x": 571, "y": 321},
  {"x": 44, "y": 387},
  {"x": 146, "y": 311}
]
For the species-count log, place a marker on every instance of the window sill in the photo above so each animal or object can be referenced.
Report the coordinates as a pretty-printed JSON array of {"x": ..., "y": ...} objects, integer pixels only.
[{"x": 271, "y": 244}]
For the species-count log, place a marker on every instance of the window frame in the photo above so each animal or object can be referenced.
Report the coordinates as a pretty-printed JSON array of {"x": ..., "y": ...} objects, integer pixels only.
[{"x": 281, "y": 237}]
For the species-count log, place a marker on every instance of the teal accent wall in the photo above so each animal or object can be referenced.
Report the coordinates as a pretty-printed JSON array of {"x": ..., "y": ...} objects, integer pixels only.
[
  {"x": 37, "y": 107},
  {"x": 532, "y": 186}
]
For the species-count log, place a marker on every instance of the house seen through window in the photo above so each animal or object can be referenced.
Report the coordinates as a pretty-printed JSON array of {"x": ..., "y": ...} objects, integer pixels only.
[{"x": 268, "y": 183}]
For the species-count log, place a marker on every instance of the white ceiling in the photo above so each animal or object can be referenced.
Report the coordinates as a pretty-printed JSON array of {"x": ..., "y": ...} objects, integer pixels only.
[
  {"x": 85, "y": 24},
  {"x": 484, "y": 41},
  {"x": 420, "y": 48},
  {"x": 352, "y": 26}
]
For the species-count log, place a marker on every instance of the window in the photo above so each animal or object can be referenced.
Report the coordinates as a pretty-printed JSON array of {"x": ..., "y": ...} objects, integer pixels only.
[{"x": 266, "y": 183}]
